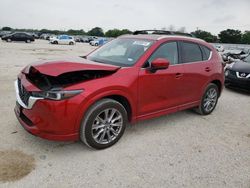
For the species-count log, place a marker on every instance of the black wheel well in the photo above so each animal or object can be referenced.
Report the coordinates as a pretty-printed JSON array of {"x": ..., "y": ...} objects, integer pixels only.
[
  {"x": 218, "y": 83},
  {"x": 124, "y": 101}
]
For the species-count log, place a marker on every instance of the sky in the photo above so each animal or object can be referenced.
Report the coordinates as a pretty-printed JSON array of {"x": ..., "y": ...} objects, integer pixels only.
[{"x": 209, "y": 15}]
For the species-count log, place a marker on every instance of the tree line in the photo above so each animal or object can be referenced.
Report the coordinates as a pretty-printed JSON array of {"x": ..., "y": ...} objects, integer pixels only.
[
  {"x": 226, "y": 36},
  {"x": 231, "y": 36}
]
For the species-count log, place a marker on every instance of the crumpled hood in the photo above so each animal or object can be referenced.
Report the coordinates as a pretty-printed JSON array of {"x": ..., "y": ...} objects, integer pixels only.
[
  {"x": 58, "y": 67},
  {"x": 241, "y": 67}
]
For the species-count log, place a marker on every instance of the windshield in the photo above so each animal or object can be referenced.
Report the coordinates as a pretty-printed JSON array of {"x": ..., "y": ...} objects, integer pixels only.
[{"x": 121, "y": 52}]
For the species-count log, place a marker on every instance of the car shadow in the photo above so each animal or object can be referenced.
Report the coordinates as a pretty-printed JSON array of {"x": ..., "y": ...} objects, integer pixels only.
[
  {"x": 238, "y": 90},
  {"x": 132, "y": 130}
]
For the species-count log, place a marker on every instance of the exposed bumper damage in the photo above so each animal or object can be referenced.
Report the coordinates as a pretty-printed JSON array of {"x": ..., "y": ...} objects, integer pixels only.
[{"x": 48, "y": 117}]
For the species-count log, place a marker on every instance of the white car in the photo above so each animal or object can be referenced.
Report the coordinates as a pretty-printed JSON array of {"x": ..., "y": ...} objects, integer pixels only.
[
  {"x": 62, "y": 39},
  {"x": 98, "y": 42}
]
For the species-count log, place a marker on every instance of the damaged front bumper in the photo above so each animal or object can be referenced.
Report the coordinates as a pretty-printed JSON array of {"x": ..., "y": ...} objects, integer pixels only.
[{"x": 48, "y": 119}]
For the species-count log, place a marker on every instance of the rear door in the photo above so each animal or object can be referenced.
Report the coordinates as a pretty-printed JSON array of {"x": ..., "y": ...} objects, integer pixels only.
[{"x": 197, "y": 69}]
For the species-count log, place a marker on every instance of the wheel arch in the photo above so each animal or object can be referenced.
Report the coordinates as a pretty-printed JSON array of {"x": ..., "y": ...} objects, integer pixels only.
[
  {"x": 125, "y": 103},
  {"x": 218, "y": 84},
  {"x": 118, "y": 95}
]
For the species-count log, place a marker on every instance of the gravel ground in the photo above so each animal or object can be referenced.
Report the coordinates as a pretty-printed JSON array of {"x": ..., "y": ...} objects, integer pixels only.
[{"x": 178, "y": 150}]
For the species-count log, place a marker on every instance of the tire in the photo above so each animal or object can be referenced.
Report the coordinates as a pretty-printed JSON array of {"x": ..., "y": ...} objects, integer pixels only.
[
  {"x": 8, "y": 40},
  {"x": 71, "y": 43},
  {"x": 28, "y": 41},
  {"x": 96, "y": 44},
  {"x": 55, "y": 42},
  {"x": 106, "y": 133},
  {"x": 209, "y": 100}
]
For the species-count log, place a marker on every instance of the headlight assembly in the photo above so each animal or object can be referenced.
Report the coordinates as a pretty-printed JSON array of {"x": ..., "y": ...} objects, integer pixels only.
[{"x": 56, "y": 95}]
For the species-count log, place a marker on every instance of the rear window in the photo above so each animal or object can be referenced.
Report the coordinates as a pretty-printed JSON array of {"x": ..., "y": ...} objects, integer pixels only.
[
  {"x": 206, "y": 52},
  {"x": 190, "y": 52}
]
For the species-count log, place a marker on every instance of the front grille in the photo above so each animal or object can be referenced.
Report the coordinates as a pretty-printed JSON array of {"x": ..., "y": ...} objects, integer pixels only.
[{"x": 23, "y": 93}]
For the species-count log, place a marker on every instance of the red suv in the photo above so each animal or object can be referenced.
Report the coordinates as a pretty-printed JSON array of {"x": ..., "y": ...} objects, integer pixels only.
[{"x": 131, "y": 78}]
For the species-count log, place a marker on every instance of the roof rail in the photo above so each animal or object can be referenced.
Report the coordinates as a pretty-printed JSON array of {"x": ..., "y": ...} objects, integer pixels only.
[{"x": 161, "y": 32}]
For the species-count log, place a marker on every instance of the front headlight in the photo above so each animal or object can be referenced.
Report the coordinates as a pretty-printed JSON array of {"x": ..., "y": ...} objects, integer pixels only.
[
  {"x": 226, "y": 72},
  {"x": 56, "y": 95}
]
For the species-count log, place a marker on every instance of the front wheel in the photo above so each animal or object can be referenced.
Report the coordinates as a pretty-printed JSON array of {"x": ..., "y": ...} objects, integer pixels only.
[
  {"x": 209, "y": 100},
  {"x": 8, "y": 40},
  {"x": 28, "y": 41},
  {"x": 103, "y": 124}
]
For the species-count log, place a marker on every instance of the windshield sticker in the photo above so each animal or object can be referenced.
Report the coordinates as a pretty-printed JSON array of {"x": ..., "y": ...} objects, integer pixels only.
[{"x": 143, "y": 43}]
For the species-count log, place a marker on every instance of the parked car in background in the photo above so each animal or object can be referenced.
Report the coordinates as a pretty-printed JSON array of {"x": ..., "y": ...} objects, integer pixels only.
[
  {"x": 62, "y": 39},
  {"x": 91, "y": 38},
  {"x": 131, "y": 78},
  {"x": 85, "y": 39},
  {"x": 52, "y": 37},
  {"x": 2, "y": 33},
  {"x": 19, "y": 36},
  {"x": 237, "y": 74},
  {"x": 219, "y": 48},
  {"x": 98, "y": 42}
]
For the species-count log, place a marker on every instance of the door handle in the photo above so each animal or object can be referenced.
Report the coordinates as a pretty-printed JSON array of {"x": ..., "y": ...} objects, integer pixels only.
[
  {"x": 207, "y": 69},
  {"x": 178, "y": 75}
]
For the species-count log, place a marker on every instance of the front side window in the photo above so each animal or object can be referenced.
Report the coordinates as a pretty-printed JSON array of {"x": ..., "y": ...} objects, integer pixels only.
[
  {"x": 17, "y": 35},
  {"x": 167, "y": 51},
  {"x": 190, "y": 52},
  {"x": 121, "y": 52}
]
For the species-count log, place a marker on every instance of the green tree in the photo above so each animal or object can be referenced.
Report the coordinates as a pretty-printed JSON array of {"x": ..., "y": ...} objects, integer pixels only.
[
  {"x": 113, "y": 33},
  {"x": 117, "y": 32},
  {"x": 126, "y": 31},
  {"x": 207, "y": 36},
  {"x": 6, "y": 28},
  {"x": 97, "y": 31},
  {"x": 230, "y": 36},
  {"x": 76, "y": 32},
  {"x": 246, "y": 37}
]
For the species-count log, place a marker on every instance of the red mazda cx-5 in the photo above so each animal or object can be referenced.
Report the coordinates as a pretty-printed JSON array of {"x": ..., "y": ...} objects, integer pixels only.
[{"x": 131, "y": 78}]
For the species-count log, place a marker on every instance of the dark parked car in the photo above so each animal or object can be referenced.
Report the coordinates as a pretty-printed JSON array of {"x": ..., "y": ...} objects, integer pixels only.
[
  {"x": 18, "y": 37},
  {"x": 238, "y": 74}
]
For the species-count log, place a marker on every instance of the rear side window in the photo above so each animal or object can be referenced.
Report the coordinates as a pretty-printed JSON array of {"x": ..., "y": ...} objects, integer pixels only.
[
  {"x": 168, "y": 51},
  {"x": 190, "y": 52},
  {"x": 206, "y": 52}
]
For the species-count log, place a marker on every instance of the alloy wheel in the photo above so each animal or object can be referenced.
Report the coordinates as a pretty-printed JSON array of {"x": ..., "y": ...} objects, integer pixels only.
[
  {"x": 210, "y": 99},
  {"x": 107, "y": 126}
]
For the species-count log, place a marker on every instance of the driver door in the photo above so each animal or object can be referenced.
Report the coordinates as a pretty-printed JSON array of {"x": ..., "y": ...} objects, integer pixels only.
[{"x": 159, "y": 92}]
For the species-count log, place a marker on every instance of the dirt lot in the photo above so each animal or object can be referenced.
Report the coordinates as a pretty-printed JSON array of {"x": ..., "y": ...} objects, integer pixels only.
[{"x": 178, "y": 150}]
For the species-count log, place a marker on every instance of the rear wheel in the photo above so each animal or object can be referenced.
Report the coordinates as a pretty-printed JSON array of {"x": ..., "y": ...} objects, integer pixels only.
[
  {"x": 55, "y": 42},
  {"x": 71, "y": 43},
  {"x": 96, "y": 44},
  {"x": 209, "y": 100},
  {"x": 103, "y": 124},
  {"x": 8, "y": 40},
  {"x": 27, "y": 41}
]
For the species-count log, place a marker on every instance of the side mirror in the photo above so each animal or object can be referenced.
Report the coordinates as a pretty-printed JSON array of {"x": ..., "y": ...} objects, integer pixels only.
[{"x": 159, "y": 64}]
